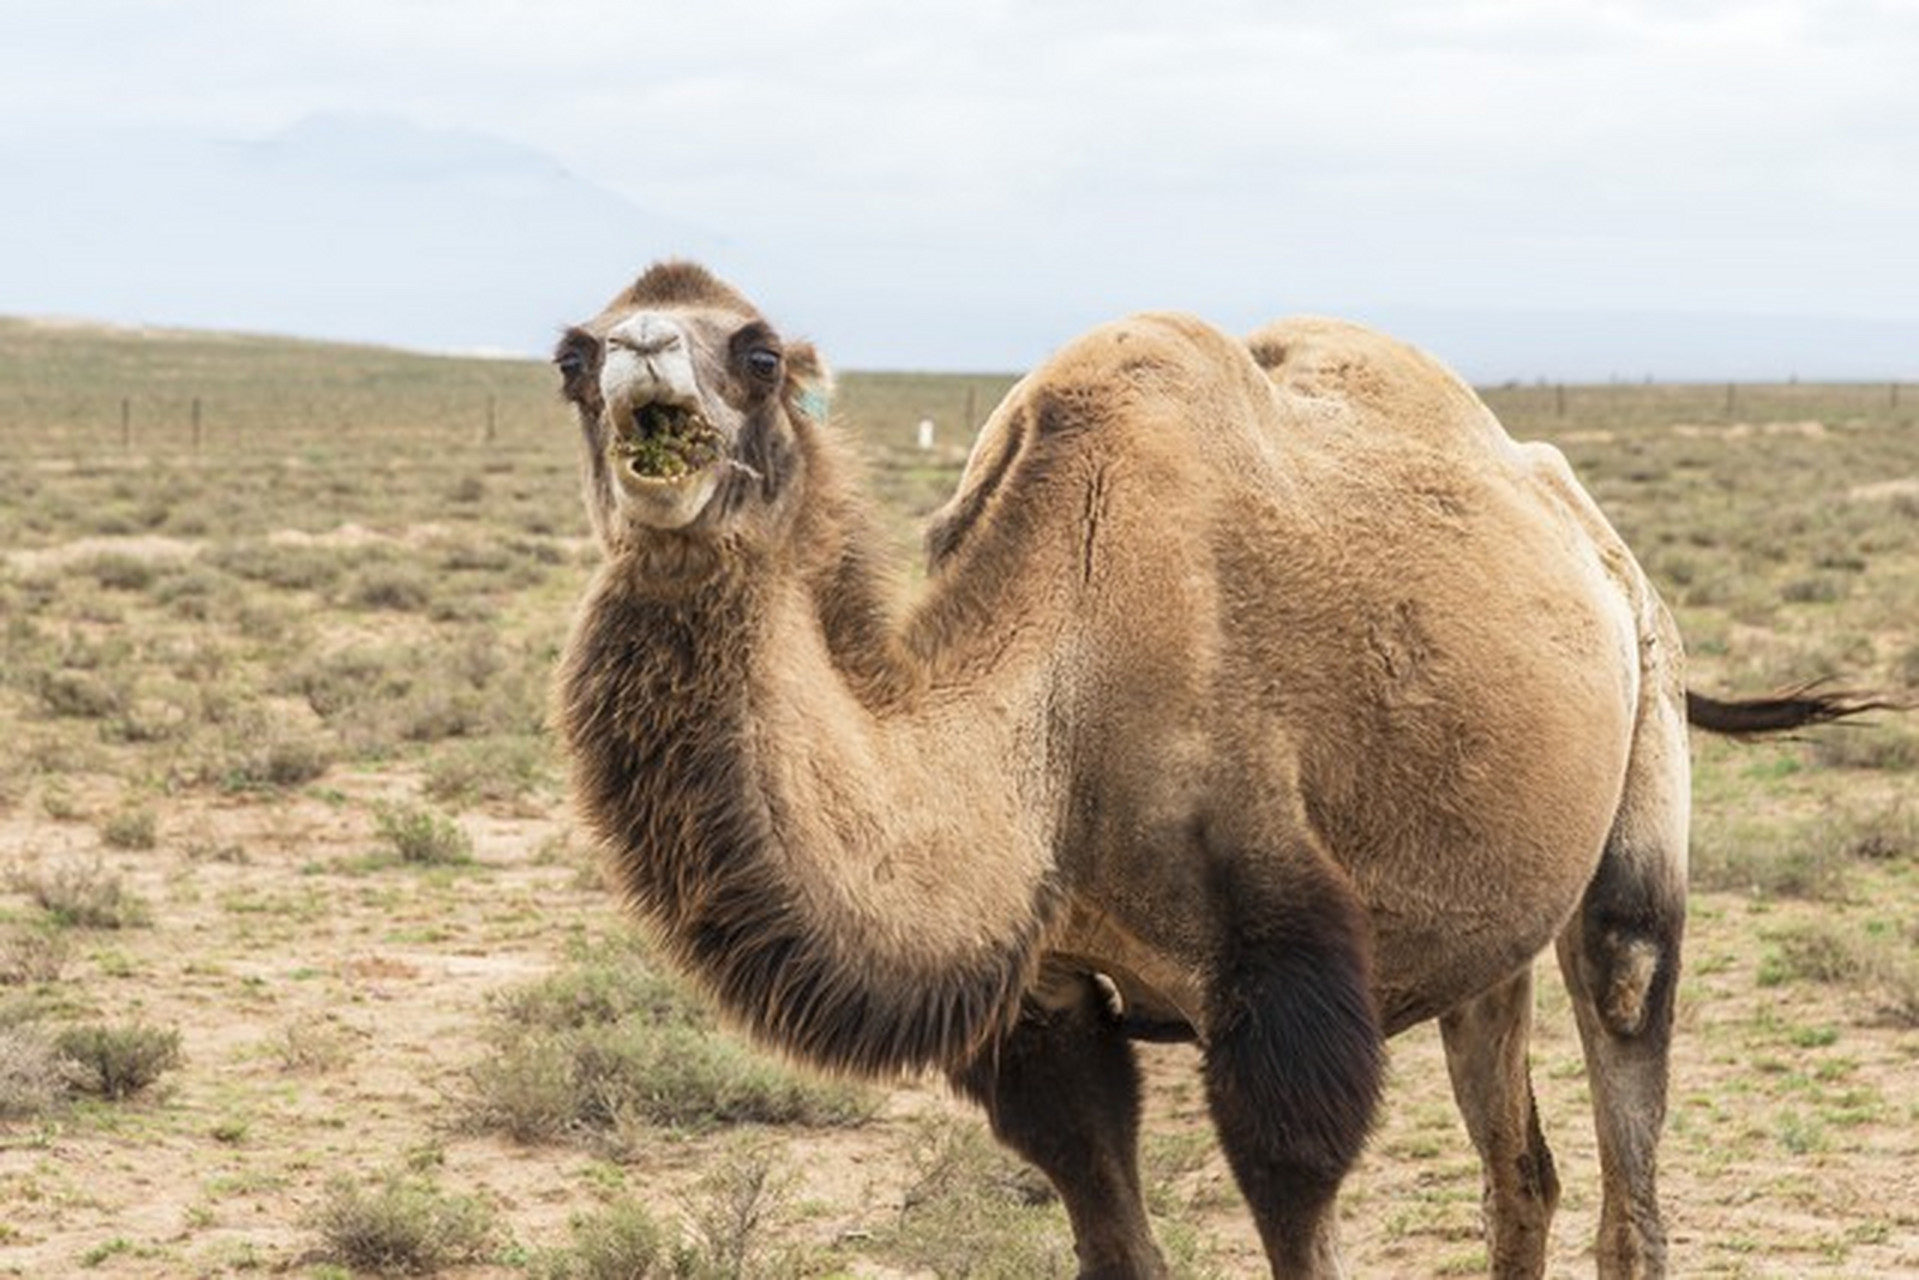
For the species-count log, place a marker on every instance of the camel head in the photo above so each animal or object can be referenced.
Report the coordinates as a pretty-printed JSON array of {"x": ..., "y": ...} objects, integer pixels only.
[{"x": 691, "y": 406}]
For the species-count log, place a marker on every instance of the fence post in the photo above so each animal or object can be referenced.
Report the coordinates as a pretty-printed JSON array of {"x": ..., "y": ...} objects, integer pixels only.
[
  {"x": 491, "y": 425},
  {"x": 126, "y": 423},
  {"x": 972, "y": 405},
  {"x": 1559, "y": 400},
  {"x": 196, "y": 424}
]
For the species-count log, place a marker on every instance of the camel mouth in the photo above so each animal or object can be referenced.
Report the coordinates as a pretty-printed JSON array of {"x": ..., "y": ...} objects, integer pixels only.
[{"x": 666, "y": 441}]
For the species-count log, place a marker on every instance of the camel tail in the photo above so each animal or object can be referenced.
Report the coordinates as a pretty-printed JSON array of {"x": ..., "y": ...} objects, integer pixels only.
[{"x": 1799, "y": 708}]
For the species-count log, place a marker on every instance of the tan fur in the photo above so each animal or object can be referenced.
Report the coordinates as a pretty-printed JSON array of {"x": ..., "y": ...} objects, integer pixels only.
[{"x": 1223, "y": 644}]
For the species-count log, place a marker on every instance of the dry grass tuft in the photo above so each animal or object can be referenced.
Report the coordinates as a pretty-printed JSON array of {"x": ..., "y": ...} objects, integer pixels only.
[
  {"x": 34, "y": 1075},
  {"x": 117, "y": 1062},
  {"x": 422, "y": 837},
  {"x": 403, "y": 1224},
  {"x": 81, "y": 895}
]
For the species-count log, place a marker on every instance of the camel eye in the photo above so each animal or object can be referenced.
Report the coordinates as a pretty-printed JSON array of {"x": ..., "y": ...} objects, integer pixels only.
[
  {"x": 763, "y": 363},
  {"x": 576, "y": 357}
]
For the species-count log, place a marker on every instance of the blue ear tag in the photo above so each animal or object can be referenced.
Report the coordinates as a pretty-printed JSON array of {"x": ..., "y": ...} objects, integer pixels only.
[{"x": 814, "y": 402}]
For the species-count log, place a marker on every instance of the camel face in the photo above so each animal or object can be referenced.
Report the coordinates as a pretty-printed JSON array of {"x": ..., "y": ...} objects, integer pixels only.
[
  {"x": 666, "y": 435},
  {"x": 682, "y": 391}
]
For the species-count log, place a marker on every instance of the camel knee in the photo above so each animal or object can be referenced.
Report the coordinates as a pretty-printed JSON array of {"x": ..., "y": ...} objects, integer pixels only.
[
  {"x": 1628, "y": 971},
  {"x": 1627, "y": 953}
]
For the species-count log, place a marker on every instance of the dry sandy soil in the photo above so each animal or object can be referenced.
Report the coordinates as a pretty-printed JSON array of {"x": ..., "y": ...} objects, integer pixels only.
[{"x": 265, "y": 939}]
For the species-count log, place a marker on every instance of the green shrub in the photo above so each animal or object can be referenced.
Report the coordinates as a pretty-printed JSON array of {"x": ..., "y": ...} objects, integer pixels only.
[
  {"x": 620, "y": 1242},
  {"x": 399, "y": 587},
  {"x": 608, "y": 1044},
  {"x": 118, "y": 1061},
  {"x": 974, "y": 1211},
  {"x": 131, "y": 829},
  {"x": 1884, "y": 745},
  {"x": 258, "y": 754},
  {"x": 497, "y": 770},
  {"x": 601, "y": 1080},
  {"x": 402, "y": 1225},
  {"x": 1825, "y": 952},
  {"x": 84, "y": 896},
  {"x": 79, "y": 695},
  {"x": 732, "y": 1208},
  {"x": 120, "y": 571},
  {"x": 1767, "y": 861},
  {"x": 290, "y": 568},
  {"x": 422, "y": 836}
]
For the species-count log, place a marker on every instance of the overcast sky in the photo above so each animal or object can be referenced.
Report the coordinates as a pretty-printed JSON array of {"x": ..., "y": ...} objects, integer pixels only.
[{"x": 966, "y": 184}]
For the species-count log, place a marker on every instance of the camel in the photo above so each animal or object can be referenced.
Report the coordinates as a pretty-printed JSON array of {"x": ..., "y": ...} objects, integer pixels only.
[{"x": 1263, "y": 694}]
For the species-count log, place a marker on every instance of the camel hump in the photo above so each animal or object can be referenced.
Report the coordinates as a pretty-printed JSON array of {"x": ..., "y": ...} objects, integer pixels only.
[
  {"x": 1155, "y": 354},
  {"x": 1143, "y": 388},
  {"x": 1314, "y": 362}
]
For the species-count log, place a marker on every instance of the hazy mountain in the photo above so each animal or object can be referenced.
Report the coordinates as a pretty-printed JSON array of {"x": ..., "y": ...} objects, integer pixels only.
[
  {"x": 343, "y": 226},
  {"x": 371, "y": 228}
]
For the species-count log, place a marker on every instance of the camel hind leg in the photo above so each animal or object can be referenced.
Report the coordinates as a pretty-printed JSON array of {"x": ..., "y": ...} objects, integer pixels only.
[
  {"x": 1620, "y": 957},
  {"x": 1486, "y": 1040}
]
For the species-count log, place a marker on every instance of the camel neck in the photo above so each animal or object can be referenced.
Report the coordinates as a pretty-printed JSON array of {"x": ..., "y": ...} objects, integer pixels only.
[{"x": 799, "y": 843}]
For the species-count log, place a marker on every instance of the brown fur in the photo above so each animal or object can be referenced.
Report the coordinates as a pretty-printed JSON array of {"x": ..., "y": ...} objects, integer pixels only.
[{"x": 1269, "y": 683}]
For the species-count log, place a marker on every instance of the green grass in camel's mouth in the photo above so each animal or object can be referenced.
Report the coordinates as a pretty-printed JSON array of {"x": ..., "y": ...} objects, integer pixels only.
[{"x": 668, "y": 442}]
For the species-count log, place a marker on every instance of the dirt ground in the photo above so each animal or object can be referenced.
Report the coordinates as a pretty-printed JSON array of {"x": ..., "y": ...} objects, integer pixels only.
[{"x": 262, "y": 942}]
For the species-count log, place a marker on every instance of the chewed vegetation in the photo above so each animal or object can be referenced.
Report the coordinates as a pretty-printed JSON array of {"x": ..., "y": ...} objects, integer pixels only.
[{"x": 303, "y": 970}]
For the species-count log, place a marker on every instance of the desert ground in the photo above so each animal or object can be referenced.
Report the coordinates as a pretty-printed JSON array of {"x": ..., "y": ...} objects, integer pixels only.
[{"x": 304, "y": 969}]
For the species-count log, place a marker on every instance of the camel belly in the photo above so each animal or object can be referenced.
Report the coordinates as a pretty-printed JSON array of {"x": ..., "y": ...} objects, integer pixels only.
[
  {"x": 1150, "y": 988},
  {"x": 1470, "y": 819}
]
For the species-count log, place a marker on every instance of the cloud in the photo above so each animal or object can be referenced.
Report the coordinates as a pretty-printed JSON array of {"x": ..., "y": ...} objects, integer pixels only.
[{"x": 1076, "y": 157}]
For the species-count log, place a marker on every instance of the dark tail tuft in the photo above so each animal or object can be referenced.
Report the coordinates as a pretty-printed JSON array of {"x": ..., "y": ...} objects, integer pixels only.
[{"x": 1800, "y": 708}]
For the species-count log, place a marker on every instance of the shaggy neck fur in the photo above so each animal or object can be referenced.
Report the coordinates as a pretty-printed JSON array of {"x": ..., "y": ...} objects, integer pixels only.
[{"x": 789, "y": 802}]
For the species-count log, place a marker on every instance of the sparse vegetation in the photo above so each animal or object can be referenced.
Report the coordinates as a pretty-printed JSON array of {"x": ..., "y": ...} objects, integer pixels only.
[
  {"x": 1884, "y": 967},
  {"x": 403, "y": 1224},
  {"x": 118, "y": 1061},
  {"x": 30, "y": 954},
  {"x": 34, "y": 1075},
  {"x": 734, "y": 1207},
  {"x": 348, "y": 594},
  {"x": 495, "y": 770},
  {"x": 974, "y": 1211},
  {"x": 604, "y": 1049},
  {"x": 132, "y": 828},
  {"x": 422, "y": 836},
  {"x": 313, "y": 1046},
  {"x": 621, "y": 1242},
  {"x": 81, "y": 895}
]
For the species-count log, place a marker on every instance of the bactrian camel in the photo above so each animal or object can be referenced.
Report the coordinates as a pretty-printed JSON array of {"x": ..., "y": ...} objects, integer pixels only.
[{"x": 1262, "y": 693}]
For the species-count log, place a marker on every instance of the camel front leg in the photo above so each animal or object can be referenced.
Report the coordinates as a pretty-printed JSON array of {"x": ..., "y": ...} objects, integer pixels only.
[
  {"x": 1294, "y": 1058},
  {"x": 1486, "y": 1042},
  {"x": 1062, "y": 1089}
]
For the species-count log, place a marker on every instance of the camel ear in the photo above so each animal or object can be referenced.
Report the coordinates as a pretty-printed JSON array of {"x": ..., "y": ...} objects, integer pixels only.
[{"x": 809, "y": 383}]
